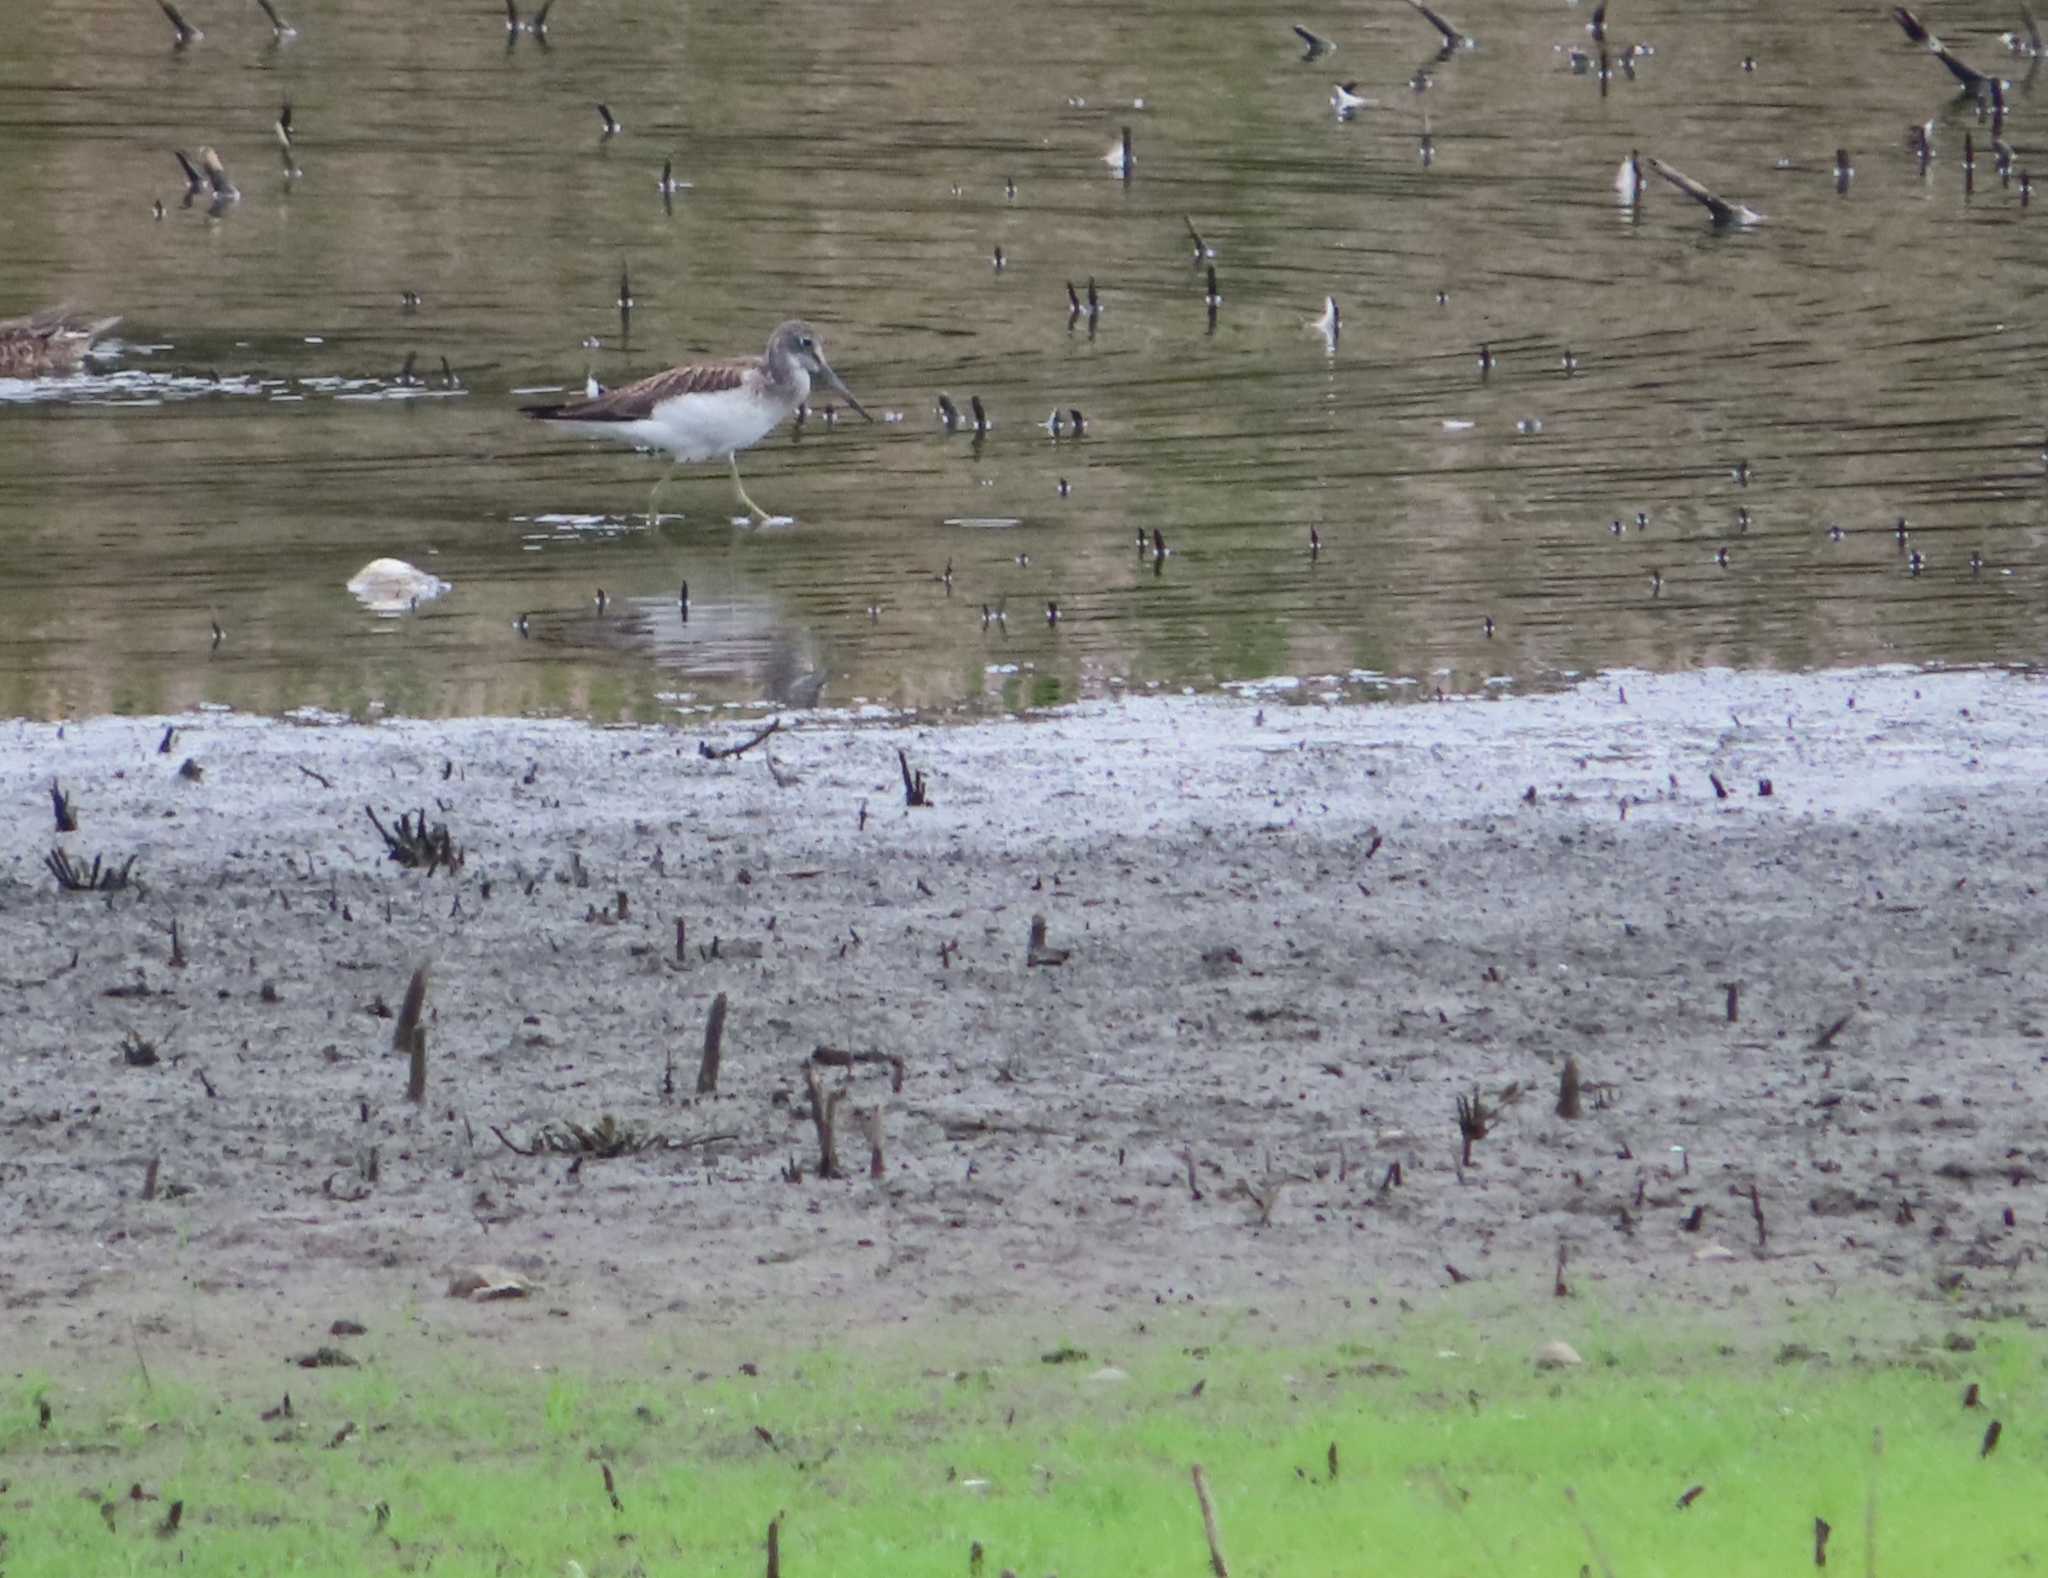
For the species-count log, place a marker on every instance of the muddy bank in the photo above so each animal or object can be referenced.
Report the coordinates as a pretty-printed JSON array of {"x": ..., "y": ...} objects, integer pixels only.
[{"x": 1291, "y": 937}]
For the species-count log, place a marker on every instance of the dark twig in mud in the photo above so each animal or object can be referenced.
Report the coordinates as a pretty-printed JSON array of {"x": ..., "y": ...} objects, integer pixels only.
[
  {"x": 95, "y": 878},
  {"x": 1392, "y": 1178},
  {"x": 1756, "y": 1209},
  {"x": 719, "y": 753},
  {"x": 1036, "y": 952},
  {"x": 1561, "y": 1289},
  {"x": 177, "y": 948},
  {"x": 1568, "y": 1105},
  {"x": 824, "y": 1109},
  {"x": 775, "y": 1546},
  {"x": 67, "y": 813},
  {"x": 1821, "y": 1530},
  {"x": 1734, "y": 991},
  {"x": 1194, "y": 1188},
  {"x": 415, "y": 844},
  {"x": 1826, "y": 1038},
  {"x": 138, "y": 1053},
  {"x": 913, "y": 784},
  {"x": 1992, "y": 1432},
  {"x": 149, "y": 1177},
  {"x": 611, "y": 1487},
  {"x": 1217, "y": 1565},
  {"x": 1333, "y": 1462},
  {"x": 511, "y": 1145},
  {"x": 835, "y": 1057},
  {"x": 410, "y": 1036},
  {"x": 1266, "y": 1198},
  {"x": 714, "y": 1040},
  {"x": 319, "y": 778}
]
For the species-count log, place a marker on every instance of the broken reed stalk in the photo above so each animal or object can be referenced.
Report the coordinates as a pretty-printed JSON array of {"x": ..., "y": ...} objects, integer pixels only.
[
  {"x": 714, "y": 1040},
  {"x": 1756, "y": 1209},
  {"x": 1568, "y": 1104},
  {"x": 775, "y": 1546},
  {"x": 1821, "y": 1531},
  {"x": 824, "y": 1109},
  {"x": 96, "y": 878},
  {"x": 913, "y": 783},
  {"x": 1473, "y": 1119},
  {"x": 67, "y": 813},
  {"x": 149, "y": 1177},
  {"x": 1734, "y": 1000},
  {"x": 1217, "y": 1565},
  {"x": 410, "y": 1036}
]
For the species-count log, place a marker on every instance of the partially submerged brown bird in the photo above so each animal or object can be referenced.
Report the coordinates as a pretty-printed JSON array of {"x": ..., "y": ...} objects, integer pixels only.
[{"x": 53, "y": 341}]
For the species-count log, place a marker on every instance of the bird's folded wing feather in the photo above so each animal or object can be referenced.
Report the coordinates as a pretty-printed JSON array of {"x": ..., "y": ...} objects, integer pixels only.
[{"x": 636, "y": 401}]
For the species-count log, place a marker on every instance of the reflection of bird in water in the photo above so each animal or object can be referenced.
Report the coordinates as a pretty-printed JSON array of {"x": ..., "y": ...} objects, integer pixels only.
[
  {"x": 709, "y": 410},
  {"x": 54, "y": 341}
]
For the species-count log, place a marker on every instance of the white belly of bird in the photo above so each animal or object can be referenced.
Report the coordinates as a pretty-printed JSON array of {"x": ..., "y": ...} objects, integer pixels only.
[{"x": 697, "y": 426}]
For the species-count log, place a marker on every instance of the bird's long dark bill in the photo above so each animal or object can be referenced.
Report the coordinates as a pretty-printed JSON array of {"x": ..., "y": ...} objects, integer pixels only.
[{"x": 833, "y": 379}]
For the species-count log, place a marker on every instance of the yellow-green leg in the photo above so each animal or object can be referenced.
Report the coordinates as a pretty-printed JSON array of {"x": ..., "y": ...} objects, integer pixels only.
[
  {"x": 652, "y": 518},
  {"x": 761, "y": 516}
]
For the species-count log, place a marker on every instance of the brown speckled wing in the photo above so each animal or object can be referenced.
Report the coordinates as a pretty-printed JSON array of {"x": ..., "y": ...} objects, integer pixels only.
[{"x": 637, "y": 401}]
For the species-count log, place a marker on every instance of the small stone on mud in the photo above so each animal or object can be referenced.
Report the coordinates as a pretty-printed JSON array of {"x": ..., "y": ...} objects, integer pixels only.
[
  {"x": 1557, "y": 1356},
  {"x": 1708, "y": 1252},
  {"x": 480, "y": 1284}
]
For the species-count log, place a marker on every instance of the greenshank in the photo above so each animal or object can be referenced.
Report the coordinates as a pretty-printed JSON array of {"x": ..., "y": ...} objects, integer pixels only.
[{"x": 704, "y": 410}]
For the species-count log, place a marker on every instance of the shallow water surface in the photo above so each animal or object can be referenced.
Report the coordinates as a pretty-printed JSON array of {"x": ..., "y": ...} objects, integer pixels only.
[{"x": 1870, "y": 353}]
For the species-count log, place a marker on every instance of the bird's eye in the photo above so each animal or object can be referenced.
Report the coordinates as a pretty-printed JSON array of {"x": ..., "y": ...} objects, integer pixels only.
[{"x": 808, "y": 343}]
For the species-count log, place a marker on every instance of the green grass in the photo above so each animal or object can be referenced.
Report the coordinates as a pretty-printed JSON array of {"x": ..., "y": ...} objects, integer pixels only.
[{"x": 1454, "y": 1458}]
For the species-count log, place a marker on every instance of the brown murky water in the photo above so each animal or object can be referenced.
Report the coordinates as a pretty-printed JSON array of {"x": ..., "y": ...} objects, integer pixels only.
[{"x": 1870, "y": 354}]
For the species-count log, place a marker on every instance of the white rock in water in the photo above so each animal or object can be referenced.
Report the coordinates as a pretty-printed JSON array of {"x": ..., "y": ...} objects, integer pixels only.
[
  {"x": 391, "y": 586},
  {"x": 1713, "y": 1252},
  {"x": 1557, "y": 1356}
]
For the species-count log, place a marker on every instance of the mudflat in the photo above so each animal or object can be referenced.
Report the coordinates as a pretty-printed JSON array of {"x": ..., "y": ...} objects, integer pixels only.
[{"x": 1284, "y": 941}]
